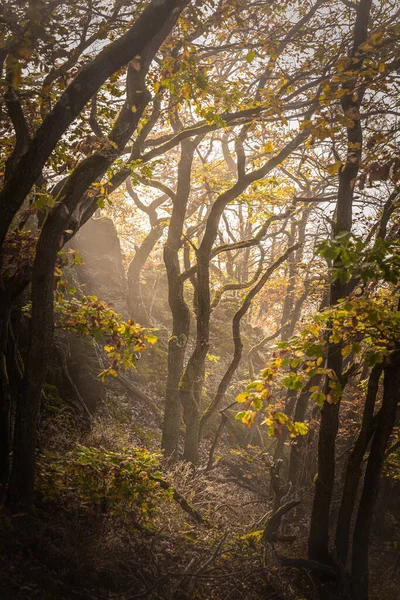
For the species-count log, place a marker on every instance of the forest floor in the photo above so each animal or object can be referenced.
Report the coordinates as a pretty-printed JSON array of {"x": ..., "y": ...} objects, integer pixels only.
[{"x": 68, "y": 551}]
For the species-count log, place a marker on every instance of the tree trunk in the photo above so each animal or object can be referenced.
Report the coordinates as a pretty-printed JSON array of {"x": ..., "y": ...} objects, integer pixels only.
[
  {"x": 195, "y": 367},
  {"x": 192, "y": 422},
  {"x": 172, "y": 413},
  {"x": 179, "y": 309},
  {"x": 318, "y": 543},
  {"x": 5, "y": 404},
  {"x": 21, "y": 488},
  {"x": 297, "y": 447},
  {"x": 384, "y": 426},
  {"x": 353, "y": 470},
  {"x": 137, "y": 308},
  {"x": 51, "y": 239}
]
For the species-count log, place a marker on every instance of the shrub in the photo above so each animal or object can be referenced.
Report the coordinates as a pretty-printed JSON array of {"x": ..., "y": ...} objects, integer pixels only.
[{"x": 122, "y": 484}]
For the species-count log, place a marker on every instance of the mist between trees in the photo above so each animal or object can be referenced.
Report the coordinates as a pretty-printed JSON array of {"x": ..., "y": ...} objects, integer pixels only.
[{"x": 199, "y": 298}]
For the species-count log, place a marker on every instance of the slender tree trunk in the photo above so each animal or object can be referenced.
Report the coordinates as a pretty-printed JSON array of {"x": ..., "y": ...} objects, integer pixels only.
[
  {"x": 289, "y": 407},
  {"x": 297, "y": 448},
  {"x": 196, "y": 362},
  {"x": 179, "y": 309},
  {"x": 137, "y": 308},
  {"x": 318, "y": 543},
  {"x": 288, "y": 301},
  {"x": 195, "y": 366},
  {"x": 288, "y": 323},
  {"x": 353, "y": 470},
  {"x": 384, "y": 426},
  {"x": 5, "y": 404},
  {"x": 237, "y": 340}
]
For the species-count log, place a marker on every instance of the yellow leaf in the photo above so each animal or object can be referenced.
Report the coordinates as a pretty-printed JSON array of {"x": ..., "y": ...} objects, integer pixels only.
[
  {"x": 346, "y": 350},
  {"x": 269, "y": 147},
  {"x": 334, "y": 167},
  {"x": 248, "y": 419},
  {"x": 376, "y": 38},
  {"x": 242, "y": 397}
]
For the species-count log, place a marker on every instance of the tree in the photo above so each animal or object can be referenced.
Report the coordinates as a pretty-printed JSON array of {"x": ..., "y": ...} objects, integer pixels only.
[{"x": 136, "y": 46}]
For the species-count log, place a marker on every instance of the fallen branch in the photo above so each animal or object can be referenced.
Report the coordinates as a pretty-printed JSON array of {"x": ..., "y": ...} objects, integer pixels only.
[
  {"x": 272, "y": 525},
  {"x": 309, "y": 565},
  {"x": 183, "y": 503}
]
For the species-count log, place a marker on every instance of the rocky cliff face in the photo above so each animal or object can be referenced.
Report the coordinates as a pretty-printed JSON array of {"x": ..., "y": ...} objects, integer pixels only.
[
  {"x": 76, "y": 363},
  {"x": 102, "y": 273}
]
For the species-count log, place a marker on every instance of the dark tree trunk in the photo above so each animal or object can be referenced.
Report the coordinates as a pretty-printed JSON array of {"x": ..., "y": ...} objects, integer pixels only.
[
  {"x": 20, "y": 493},
  {"x": 296, "y": 461},
  {"x": 176, "y": 356},
  {"x": 5, "y": 404},
  {"x": 353, "y": 470},
  {"x": 384, "y": 425},
  {"x": 318, "y": 542}
]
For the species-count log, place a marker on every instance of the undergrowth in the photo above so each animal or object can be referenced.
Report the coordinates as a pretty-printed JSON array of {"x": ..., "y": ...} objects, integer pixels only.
[
  {"x": 121, "y": 484},
  {"x": 105, "y": 529}
]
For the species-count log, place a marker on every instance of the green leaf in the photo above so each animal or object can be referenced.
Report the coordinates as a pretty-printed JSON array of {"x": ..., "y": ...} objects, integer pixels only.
[
  {"x": 257, "y": 403},
  {"x": 239, "y": 416},
  {"x": 319, "y": 397},
  {"x": 254, "y": 384},
  {"x": 302, "y": 428},
  {"x": 250, "y": 56}
]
